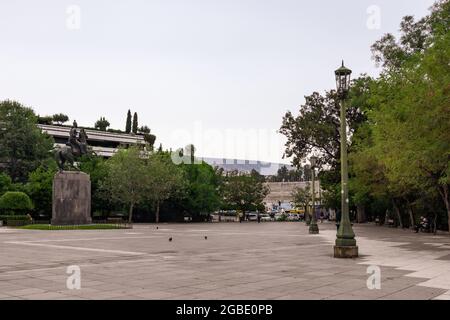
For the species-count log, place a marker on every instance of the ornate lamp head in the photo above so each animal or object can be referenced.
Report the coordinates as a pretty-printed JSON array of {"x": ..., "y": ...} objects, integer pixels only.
[{"x": 343, "y": 80}]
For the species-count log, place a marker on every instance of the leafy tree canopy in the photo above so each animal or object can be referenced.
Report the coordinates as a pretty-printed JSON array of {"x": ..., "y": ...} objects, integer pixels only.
[
  {"x": 23, "y": 147},
  {"x": 60, "y": 118}
]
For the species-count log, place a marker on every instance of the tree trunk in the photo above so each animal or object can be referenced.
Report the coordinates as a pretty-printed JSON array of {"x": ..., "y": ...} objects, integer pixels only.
[
  {"x": 130, "y": 213},
  {"x": 307, "y": 217},
  {"x": 435, "y": 223},
  {"x": 444, "y": 192},
  {"x": 412, "y": 222},
  {"x": 157, "y": 212},
  {"x": 361, "y": 214},
  {"x": 397, "y": 212}
]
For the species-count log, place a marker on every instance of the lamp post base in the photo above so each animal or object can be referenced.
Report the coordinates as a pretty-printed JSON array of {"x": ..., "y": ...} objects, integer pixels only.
[
  {"x": 346, "y": 252},
  {"x": 313, "y": 229}
]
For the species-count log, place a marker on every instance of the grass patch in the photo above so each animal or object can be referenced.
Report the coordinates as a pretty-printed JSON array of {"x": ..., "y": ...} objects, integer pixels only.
[{"x": 78, "y": 227}]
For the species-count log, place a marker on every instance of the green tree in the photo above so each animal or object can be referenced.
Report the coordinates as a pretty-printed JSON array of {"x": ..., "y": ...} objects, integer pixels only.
[
  {"x": 5, "y": 183},
  {"x": 411, "y": 138},
  {"x": 399, "y": 155},
  {"x": 164, "y": 180},
  {"x": 97, "y": 169},
  {"x": 135, "y": 123},
  {"x": 243, "y": 192},
  {"x": 150, "y": 139},
  {"x": 412, "y": 135},
  {"x": 48, "y": 120},
  {"x": 128, "y": 123},
  {"x": 316, "y": 130},
  {"x": 415, "y": 38},
  {"x": 144, "y": 129},
  {"x": 127, "y": 180},
  {"x": 286, "y": 175},
  {"x": 40, "y": 188},
  {"x": 60, "y": 118},
  {"x": 23, "y": 147},
  {"x": 201, "y": 193},
  {"x": 102, "y": 124},
  {"x": 302, "y": 197}
]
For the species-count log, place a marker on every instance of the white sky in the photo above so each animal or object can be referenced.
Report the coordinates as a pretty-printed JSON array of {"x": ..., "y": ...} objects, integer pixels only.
[{"x": 219, "y": 74}]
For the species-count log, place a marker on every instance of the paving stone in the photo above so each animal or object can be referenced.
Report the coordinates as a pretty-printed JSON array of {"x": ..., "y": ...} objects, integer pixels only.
[{"x": 238, "y": 261}]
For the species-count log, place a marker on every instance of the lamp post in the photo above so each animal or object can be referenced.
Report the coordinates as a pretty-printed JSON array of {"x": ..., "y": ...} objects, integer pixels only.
[
  {"x": 313, "y": 227},
  {"x": 307, "y": 167},
  {"x": 345, "y": 239}
]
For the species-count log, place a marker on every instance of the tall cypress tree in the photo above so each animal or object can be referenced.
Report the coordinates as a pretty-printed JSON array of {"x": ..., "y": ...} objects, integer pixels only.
[
  {"x": 135, "y": 123},
  {"x": 128, "y": 124}
]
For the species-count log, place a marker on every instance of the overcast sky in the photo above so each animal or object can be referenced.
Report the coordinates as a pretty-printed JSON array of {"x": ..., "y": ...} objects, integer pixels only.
[{"x": 219, "y": 74}]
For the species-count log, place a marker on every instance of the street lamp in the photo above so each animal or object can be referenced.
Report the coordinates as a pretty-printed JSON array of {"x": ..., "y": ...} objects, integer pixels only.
[
  {"x": 307, "y": 167},
  {"x": 313, "y": 227},
  {"x": 345, "y": 239}
]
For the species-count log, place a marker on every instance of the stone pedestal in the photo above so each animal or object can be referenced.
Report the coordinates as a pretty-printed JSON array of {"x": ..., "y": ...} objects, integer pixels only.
[
  {"x": 71, "y": 198},
  {"x": 346, "y": 252},
  {"x": 313, "y": 229}
]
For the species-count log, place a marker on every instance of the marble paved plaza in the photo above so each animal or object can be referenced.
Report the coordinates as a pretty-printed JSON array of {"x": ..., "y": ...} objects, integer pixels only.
[{"x": 236, "y": 261}]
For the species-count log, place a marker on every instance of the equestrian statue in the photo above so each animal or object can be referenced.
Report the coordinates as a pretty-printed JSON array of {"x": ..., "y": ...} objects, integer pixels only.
[{"x": 75, "y": 148}]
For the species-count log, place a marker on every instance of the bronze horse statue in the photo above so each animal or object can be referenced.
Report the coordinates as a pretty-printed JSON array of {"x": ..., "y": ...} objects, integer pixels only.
[{"x": 74, "y": 149}]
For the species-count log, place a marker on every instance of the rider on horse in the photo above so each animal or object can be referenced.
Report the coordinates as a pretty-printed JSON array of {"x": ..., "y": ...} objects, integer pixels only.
[
  {"x": 73, "y": 141},
  {"x": 76, "y": 146}
]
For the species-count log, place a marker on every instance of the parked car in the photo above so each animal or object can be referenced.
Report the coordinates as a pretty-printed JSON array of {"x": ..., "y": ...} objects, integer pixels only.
[
  {"x": 266, "y": 218},
  {"x": 252, "y": 216},
  {"x": 293, "y": 217}
]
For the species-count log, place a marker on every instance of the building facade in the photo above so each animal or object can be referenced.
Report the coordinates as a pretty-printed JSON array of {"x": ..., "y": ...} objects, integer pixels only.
[
  {"x": 282, "y": 191},
  {"x": 103, "y": 143}
]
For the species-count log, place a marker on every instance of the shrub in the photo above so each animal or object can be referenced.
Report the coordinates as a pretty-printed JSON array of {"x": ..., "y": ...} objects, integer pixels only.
[
  {"x": 48, "y": 120},
  {"x": 14, "y": 221},
  {"x": 16, "y": 218},
  {"x": 13, "y": 203}
]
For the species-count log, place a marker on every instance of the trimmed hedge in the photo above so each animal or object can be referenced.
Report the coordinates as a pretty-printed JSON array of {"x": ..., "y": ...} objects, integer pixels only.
[
  {"x": 12, "y": 203},
  {"x": 13, "y": 221},
  {"x": 18, "y": 218}
]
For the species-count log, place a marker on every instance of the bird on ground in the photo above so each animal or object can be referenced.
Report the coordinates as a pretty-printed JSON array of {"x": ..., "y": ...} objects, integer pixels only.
[
  {"x": 206, "y": 238},
  {"x": 170, "y": 239}
]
